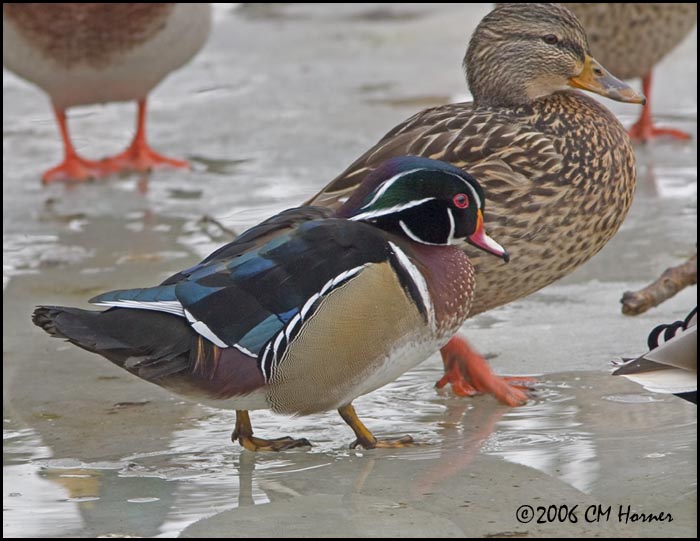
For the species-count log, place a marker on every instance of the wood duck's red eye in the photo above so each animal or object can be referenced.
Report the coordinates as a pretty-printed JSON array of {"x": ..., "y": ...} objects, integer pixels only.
[{"x": 461, "y": 201}]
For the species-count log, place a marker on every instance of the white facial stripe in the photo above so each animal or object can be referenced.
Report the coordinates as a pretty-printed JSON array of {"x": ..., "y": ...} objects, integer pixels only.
[
  {"x": 451, "y": 235},
  {"x": 169, "y": 307},
  {"x": 411, "y": 235},
  {"x": 418, "y": 280},
  {"x": 390, "y": 210},
  {"x": 387, "y": 184},
  {"x": 471, "y": 189}
]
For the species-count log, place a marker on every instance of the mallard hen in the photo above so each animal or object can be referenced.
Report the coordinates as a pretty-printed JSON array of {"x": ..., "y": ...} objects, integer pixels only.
[
  {"x": 557, "y": 166},
  {"x": 81, "y": 54},
  {"x": 630, "y": 39}
]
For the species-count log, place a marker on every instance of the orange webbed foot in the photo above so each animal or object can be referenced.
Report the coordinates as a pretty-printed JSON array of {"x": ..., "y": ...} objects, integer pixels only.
[
  {"x": 142, "y": 158},
  {"x": 645, "y": 131},
  {"x": 469, "y": 374},
  {"x": 76, "y": 169}
]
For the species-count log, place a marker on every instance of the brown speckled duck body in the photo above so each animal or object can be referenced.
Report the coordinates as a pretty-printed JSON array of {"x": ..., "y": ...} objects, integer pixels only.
[
  {"x": 81, "y": 54},
  {"x": 630, "y": 39},
  {"x": 557, "y": 166}
]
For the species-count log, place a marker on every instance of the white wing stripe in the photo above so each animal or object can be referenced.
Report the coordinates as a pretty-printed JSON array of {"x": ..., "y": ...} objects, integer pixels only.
[
  {"x": 170, "y": 307},
  {"x": 243, "y": 350},
  {"x": 207, "y": 333},
  {"x": 201, "y": 328}
]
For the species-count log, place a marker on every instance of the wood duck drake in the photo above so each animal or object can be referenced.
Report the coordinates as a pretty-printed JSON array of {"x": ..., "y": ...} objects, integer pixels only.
[
  {"x": 81, "y": 54},
  {"x": 630, "y": 39},
  {"x": 308, "y": 310},
  {"x": 671, "y": 364},
  {"x": 558, "y": 166}
]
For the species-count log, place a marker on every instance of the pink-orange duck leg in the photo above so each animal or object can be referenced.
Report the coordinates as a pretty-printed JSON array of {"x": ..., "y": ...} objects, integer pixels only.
[
  {"x": 469, "y": 374},
  {"x": 73, "y": 167},
  {"x": 644, "y": 129},
  {"x": 139, "y": 156}
]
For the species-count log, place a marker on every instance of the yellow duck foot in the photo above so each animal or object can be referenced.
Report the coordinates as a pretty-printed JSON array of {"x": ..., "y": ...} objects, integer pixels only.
[
  {"x": 374, "y": 443},
  {"x": 278, "y": 444},
  {"x": 469, "y": 374},
  {"x": 243, "y": 433},
  {"x": 364, "y": 436}
]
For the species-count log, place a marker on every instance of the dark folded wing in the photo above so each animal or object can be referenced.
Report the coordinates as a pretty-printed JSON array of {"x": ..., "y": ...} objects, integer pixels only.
[{"x": 242, "y": 297}]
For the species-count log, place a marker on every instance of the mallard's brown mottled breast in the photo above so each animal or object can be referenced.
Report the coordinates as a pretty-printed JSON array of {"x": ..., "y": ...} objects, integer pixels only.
[{"x": 86, "y": 34}]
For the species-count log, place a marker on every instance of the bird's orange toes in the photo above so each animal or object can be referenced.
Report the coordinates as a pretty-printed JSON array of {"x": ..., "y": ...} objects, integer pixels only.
[
  {"x": 644, "y": 130},
  {"x": 460, "y": 386},
  {"x": 76, "y": 169},
  {"x": 140, "y": 157},
  {"x": 469, "y": 374},
  {"x": 510, "y": 394}
]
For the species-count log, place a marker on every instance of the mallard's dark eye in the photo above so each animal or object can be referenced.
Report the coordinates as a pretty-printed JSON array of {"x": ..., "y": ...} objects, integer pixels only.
[
  {"x": 461, "y": 201},
  {"x": 550, "y": 39}
]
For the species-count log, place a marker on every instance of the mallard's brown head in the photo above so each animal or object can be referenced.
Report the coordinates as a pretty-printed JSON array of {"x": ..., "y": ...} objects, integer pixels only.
[{"x": 521, "y": 52}]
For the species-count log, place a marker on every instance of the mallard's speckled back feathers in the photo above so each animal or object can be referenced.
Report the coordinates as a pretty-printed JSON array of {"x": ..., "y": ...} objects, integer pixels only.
[{"x": 559, "y": 171}]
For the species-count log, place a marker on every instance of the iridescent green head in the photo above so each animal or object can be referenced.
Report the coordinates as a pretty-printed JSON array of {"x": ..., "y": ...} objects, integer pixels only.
[{"x": 424, "y": 200}]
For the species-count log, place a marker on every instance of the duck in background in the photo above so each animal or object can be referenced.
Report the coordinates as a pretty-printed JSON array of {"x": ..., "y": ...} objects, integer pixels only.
[
  {"x": 630, "y": 39},
  {"x": 81, "y": 54},
  {"x": 558, "y": 167},
  {"x": 308, "y": 310},
  {"x": 671, "y": 364}
]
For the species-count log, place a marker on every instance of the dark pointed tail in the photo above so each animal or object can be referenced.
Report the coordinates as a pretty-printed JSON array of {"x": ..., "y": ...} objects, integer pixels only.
[{"x": 149, "y": 344}]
